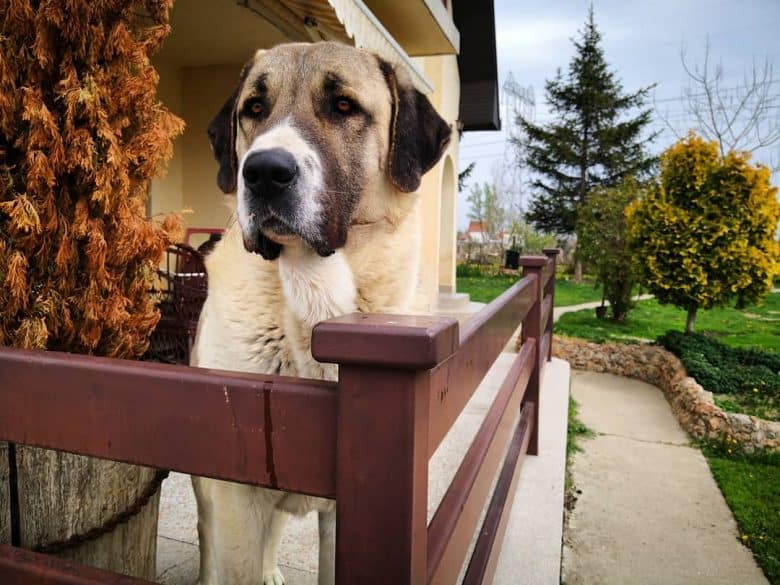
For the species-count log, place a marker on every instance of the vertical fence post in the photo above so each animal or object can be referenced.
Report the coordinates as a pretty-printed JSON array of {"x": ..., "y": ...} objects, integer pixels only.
[
  {"x": 532, "y": 325},
  {"x": 382, "y": 452},
  {"x": 552, "y": 255}
]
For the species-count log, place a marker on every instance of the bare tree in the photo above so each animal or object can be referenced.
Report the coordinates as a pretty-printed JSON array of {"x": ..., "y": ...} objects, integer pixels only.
[{"x": 744, "y": 117}]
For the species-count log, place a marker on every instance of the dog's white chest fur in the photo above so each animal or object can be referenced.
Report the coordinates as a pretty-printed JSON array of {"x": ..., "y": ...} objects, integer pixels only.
[
  {"x": 315, "y": 289},
  {"x": 259, "y": 315}
]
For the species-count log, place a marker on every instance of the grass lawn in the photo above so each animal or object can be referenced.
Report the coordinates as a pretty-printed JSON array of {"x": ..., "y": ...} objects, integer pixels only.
[
  {"x": 752, "y": 327},
  {"x": 751, "y": 486},
  {"x": 484, "y": 289}
]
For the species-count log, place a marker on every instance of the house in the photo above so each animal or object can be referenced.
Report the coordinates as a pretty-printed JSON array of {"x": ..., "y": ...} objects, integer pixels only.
[
  {"x": 447, "y": 46},
  {"x": 477, "y": 232}
]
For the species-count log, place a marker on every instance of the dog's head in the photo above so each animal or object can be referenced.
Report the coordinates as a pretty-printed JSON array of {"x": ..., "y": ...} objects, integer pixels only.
[{"x": 310, "y": 134}]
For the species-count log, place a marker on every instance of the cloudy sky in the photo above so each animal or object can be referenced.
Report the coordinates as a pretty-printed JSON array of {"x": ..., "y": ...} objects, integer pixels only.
[{"x": 642, "y": 41}]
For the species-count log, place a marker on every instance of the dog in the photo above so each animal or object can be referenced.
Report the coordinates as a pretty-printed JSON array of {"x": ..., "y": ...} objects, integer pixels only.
[{"x": 324, "y": 146}]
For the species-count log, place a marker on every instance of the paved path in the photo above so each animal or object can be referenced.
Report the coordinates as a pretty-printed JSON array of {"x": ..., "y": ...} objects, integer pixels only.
[
  {"x": 649, "y": 512},
  {"x": 558, "y": 311}
]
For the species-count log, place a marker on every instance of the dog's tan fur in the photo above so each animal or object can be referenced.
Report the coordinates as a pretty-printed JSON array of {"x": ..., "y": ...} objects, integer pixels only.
[{"x": 259, "y": 313}]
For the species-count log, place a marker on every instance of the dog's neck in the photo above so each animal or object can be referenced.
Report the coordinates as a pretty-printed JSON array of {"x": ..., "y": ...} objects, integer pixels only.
[
  {"x": 316, "y": 288},
  {"x": 370, "y": 274}
]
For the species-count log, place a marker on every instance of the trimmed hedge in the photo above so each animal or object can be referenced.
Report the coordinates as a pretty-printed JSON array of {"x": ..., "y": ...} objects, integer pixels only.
[{"x": 725, "y": 370}]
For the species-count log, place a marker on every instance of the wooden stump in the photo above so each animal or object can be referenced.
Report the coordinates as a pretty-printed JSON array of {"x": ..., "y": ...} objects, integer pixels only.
[
  {"x": 62, "y": 495},
  {"x": 5, "y": 497}
]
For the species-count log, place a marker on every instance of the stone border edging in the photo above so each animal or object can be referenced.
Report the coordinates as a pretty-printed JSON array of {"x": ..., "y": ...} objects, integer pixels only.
[{"x": 691, "y": 404}]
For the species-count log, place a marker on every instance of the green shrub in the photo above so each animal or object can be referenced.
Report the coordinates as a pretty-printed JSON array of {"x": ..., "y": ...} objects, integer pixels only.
[
  {"x": 721, "y": 369},
  {"x": 602, "y": 243}
]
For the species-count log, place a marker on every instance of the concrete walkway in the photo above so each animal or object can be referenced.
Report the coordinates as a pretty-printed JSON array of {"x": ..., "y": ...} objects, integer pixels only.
[
  {"x": 649, "y": 512},
  {"x": 558, "y": 311}
]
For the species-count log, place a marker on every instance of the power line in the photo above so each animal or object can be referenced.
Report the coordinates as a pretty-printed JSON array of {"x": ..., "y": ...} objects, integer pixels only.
[{"x": 695, "y": 95}]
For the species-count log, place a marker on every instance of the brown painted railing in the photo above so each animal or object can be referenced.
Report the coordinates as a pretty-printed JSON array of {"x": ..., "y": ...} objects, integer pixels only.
[{"x": 365, "y": 440}]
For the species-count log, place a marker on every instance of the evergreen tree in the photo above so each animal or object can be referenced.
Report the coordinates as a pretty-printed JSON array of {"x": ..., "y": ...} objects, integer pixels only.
[{"x": 593, "y": 143}]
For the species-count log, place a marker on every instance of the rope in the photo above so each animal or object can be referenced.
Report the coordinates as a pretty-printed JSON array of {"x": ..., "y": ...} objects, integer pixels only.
[{"x": 151, "y": 489}]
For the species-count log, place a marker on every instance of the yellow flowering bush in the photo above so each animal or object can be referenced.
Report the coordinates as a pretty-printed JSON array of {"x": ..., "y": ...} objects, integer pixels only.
[{"x": 705, "y": 233}]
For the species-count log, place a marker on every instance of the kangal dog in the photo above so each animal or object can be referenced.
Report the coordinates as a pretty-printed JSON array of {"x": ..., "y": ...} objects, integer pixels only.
[{"x": 324, "y": 146}]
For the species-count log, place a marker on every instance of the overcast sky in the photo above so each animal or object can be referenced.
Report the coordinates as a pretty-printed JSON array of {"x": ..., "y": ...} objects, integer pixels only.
[{"x": 641, "y": 42}]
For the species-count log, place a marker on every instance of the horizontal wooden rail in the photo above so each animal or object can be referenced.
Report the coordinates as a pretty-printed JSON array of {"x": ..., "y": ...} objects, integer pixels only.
[
  {"x": 265, "y": 430},
  {"x": 453, "y": 383},
  {"x": 453, "y": 525},
  {"x": 484, "y": 559},
  {"x": 22, "y": 567},
  {"x": 514, "y": 303}
]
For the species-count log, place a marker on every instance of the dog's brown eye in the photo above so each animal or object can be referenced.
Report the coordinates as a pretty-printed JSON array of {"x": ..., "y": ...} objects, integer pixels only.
[
  {"x": 344, "y": 106},
  {"x": 256, "y": 107}
]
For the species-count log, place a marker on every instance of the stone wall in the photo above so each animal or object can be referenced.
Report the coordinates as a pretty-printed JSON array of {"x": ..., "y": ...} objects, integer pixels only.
[{"x": 692, "y": 405}]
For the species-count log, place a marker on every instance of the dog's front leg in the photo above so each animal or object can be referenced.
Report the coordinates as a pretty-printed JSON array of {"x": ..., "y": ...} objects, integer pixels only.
[
  {"x": 327, "y": 561},
  {"x": 273, "y": 536},
  {"x": 232, "y": 522}
]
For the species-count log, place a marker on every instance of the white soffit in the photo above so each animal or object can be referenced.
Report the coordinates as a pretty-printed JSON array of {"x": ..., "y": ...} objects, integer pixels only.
[{"x": 338, "y": 20}]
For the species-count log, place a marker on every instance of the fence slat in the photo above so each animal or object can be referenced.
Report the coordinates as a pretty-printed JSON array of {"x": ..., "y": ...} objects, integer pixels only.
[
  {"x": 454, "y": 381},
  {"x": 546, "y": 312},
  {"x": 552, "y": 256},
  {"x": 455, "y": 521},
  {"x": 533, "y": 266},
  {"x": 265, "y": 430},
  {"x": 484, "y": 559},
  {"x": 382, "y": 467},
  {"x": 23, "y": 567},
  {"x": 544, "y": 350}
]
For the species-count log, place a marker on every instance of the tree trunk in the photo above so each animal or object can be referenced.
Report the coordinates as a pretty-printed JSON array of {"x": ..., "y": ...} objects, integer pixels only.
[
  {"x": 690, "y": 324},
  {"x": 577, "y": 272},
  {"x": 61, "y": 495}
]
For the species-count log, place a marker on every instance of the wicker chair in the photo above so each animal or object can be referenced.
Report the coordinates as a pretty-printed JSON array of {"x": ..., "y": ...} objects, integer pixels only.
[{"x": 182, "y": 290}]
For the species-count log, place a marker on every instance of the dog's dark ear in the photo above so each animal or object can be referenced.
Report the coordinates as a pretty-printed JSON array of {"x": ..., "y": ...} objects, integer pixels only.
[
  {"x": 222, "y": 137},
  {"x": 418, "y": 135}
]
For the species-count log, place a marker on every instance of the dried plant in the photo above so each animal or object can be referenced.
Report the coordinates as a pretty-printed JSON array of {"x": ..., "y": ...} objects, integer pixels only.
[{"x": 82, "y": 133}]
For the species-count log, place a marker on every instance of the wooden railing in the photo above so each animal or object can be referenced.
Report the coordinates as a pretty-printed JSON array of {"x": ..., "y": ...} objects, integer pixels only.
[{"x": 363, "y": 441}]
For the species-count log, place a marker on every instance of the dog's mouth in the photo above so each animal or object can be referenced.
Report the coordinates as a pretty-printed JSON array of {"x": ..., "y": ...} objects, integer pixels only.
[
  {"x": 281, "y": 233},
  {"x": 274, "y": 228}
]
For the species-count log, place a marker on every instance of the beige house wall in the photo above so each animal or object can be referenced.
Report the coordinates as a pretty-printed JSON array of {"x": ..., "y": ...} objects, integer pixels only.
[
  {"x": 167, "y": 191},
  {"x": 438, "y": 189},
  {"x": 195, "y": 94},
  {"x": 206, "y": 89}
]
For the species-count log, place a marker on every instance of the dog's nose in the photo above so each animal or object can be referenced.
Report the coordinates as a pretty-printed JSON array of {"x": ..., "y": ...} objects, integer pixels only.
[{"x": 269, "y": 172}]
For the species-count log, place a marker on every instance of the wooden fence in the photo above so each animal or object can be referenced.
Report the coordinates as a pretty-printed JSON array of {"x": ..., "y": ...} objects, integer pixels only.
[{"x": 402, "y": 383}]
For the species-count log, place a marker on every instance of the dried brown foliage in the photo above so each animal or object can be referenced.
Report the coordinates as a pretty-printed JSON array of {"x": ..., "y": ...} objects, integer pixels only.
[{"x": 82, "y": 132}]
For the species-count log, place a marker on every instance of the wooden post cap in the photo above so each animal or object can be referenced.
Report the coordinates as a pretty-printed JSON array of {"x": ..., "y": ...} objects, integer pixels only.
[
  {"x": 533, "y": 261},
  {"x": 396, "y": 341}
]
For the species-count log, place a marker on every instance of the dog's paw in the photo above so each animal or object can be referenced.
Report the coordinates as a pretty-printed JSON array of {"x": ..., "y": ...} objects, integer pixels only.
[{"x": 275, "y": 577}]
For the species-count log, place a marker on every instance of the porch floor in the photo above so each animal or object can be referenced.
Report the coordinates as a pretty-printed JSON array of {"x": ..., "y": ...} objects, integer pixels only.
[{"x": 531, "y": 553}]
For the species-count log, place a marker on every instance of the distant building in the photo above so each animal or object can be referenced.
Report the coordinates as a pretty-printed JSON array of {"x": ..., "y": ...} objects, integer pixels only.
[{"x": 477, "y": 232}]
